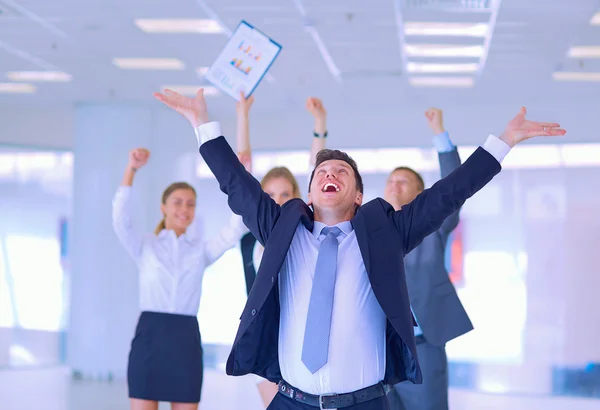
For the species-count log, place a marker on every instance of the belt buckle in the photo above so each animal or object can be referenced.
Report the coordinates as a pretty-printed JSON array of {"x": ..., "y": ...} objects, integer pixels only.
[
  {"x": 321, "y": 397},
  {"x": 321, "y": 402}
]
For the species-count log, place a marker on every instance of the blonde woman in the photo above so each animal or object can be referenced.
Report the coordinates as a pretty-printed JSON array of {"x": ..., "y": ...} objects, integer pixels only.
[{"x": 165, "y": 361}]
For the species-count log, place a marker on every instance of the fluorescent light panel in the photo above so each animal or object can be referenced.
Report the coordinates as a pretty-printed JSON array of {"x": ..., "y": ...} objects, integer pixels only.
[
  {"x": 413, "y": 28},
  {"x": 442, "y": 50},
  {"x": 576, "y": 76},
  {"x": 20, "y": 88},
  {"x": 201, "y": 71},
  {"x": 191, "y": 90},
  {"x": 204, "y": 26},
  {"x": 149, "y": 63},
  {"x": 460, "y": 82},
  {"x": 50, "y": 76},
  {"x": 584, "y": 52},
  {"x": 595, "y": 21},
  {"x": 413, "y": 67}
]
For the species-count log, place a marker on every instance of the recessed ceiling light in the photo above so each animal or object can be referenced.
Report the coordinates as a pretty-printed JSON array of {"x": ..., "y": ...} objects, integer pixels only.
[
  {"x": 201, "y": 71},
  {"x": 205, "y": 26},
  {"x": 584, "y": 52},
  {"x": 149, "y": 63},
  {"x": 38, "y": 76},
  {"x": 413, "y": 67},
  {"x": 442, "y": 50},
  {"x": 413, "y": 28},
  {"x": 17, "y": 88},
  {"x": 191, "y": 90},
  {"x": 576, "y": 76},
  {"x": 441, "y": 81},
  {"x": 595, "y": 21}
]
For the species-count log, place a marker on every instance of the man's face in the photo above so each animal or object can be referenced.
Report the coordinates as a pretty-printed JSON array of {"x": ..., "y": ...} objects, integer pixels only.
[
  {"x": 401, "y": 187},
  {"x": 333, "y": 187}
]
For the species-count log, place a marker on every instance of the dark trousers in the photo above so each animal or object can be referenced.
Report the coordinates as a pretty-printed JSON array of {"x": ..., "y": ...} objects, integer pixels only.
[
  {"x": 281, "y": 402},
  {"x": 433, "y": 393}
]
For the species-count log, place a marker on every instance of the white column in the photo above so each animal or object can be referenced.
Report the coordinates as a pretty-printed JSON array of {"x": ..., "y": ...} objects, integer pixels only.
[{"x": 104, "y": 284}]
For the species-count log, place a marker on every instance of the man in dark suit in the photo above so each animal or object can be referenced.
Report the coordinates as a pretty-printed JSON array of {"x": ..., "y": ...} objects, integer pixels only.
[
  {"x": 328, "y": 316},
  {"x": 438, "y": 311}
]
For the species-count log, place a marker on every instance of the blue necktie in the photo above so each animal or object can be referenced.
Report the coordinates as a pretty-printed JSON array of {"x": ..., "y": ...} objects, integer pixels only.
[{"x": 318, "y": 321}]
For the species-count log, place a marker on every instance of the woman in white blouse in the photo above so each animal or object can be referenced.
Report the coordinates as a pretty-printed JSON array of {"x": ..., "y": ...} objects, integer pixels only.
[
  {"x": 165, "y": 360},
  {"x": 282, "y": 186}
]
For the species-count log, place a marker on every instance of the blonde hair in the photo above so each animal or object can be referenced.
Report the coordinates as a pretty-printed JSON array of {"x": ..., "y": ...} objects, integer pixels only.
[
  {"x": 282, "y": 172},
  {"x": 166, "y": 194}
]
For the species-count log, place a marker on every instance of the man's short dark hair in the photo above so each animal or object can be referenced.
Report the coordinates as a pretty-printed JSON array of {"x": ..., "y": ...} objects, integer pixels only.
[
  {"x": 334, "y": 154},
  {"x": 415, "y": 173}
]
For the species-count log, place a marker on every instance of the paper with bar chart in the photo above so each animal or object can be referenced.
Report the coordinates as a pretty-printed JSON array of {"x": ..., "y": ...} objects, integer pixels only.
[{"x": 243, "y": 62}]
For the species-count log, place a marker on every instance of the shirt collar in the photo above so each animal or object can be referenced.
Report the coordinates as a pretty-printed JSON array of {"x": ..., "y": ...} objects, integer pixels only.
[
  {"x": 188, "y": 236},
  {"x": 345, "y": 227}
]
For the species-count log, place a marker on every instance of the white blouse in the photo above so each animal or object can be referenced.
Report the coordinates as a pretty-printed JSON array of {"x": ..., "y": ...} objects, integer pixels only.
[
  {"x": 257, "y": 254},
  {"x": 171, "y": 268}
]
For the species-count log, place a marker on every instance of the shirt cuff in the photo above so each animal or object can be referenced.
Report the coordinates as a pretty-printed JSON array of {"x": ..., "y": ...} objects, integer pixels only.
[
  {"x": 123, "y": 190},
  {"x": 442, "y": 142},
  {"x": 495, "y": 146},
  {"x": 207, "y": 132}
]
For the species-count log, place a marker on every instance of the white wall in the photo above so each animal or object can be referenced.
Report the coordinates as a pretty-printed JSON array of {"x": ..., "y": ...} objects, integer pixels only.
[
  {"x": 37, "y": 125},
  {"x": 32, "y": 281}
]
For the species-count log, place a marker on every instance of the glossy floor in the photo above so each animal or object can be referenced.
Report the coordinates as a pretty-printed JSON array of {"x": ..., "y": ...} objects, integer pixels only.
[{"x": 52, "y": 389}]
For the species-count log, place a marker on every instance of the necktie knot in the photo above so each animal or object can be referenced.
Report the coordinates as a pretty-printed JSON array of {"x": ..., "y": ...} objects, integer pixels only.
[{"x": 331, "y": 230}]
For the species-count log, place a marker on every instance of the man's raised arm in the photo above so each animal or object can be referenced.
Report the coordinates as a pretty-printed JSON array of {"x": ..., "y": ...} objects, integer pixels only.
[
  {"x": 426, "y": 213},
  {"x": 245, "y": 195},
  {"x": 448, "y": 159}
]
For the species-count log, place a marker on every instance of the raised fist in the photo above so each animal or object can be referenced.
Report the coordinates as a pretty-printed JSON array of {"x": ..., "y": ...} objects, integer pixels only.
[
  {"x": 138, "y": 157},
  {"x": 435, "y": 120},
  {"x": 315, "y": 107},
  {"x": 242, "y": 107}
]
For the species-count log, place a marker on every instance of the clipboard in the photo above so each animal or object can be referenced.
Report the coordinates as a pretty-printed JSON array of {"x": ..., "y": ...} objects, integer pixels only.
[{"x": 244, "y": 61}]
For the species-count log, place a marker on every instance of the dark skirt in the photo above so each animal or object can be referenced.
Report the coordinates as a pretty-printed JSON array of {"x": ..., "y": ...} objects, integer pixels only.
[{"x": 165, "y": 361}]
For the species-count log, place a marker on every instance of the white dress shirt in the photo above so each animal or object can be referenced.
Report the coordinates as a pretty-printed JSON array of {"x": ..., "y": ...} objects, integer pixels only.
[
  {"x": 170, "y": 267},
  {"x": 357, "y": 339}
]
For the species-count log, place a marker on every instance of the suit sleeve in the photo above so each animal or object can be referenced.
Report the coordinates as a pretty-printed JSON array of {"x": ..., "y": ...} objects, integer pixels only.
[
  {"x": 449, "y": 161},
  {"x": 427, "y": 212},
  {"x": 129, "y": 237},
  {"x": 244, "y": 193}
]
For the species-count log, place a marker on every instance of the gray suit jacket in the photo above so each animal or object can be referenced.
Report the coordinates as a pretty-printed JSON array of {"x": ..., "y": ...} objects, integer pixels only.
[{"x": 433, "y": 298}]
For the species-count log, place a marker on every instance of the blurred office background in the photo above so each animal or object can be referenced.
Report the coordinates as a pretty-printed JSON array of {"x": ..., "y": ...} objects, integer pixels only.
[{"x": 76, "y": 83}]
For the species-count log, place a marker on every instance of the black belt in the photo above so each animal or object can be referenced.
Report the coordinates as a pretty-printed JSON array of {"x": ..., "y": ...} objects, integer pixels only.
[{"x": 335, "y": 401}]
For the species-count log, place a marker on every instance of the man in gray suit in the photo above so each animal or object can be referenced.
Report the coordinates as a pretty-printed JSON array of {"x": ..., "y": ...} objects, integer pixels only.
[{"x": 440, "y": 315}]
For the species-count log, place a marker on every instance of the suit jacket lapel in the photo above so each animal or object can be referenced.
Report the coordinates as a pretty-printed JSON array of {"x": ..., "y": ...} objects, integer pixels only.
[
  {"x": 307, "y": 220},
  {"x": 362, "y": 237},
  {"x": 273, "y": 258}
]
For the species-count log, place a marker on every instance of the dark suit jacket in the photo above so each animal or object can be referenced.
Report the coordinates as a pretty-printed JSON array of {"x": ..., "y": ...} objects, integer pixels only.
[
  {"x": 435, "y": 303},
  {"x": 384, "y": 237}
]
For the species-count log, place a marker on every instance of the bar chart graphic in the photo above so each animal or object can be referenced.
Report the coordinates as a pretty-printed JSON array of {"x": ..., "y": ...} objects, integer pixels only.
[
  {"x": 248, "y": 56},
  {"x": 247, "y": 51},
  {"x": 237, "y": 63}
]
